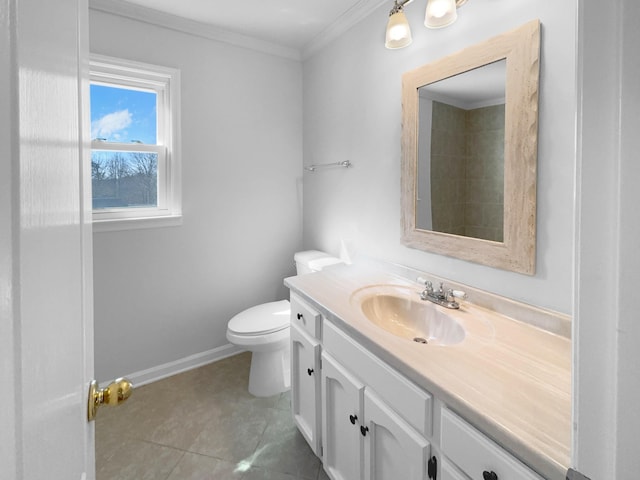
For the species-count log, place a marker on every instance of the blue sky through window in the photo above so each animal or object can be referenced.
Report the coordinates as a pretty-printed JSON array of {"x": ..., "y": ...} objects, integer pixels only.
[{"x": 123, "y": 115}]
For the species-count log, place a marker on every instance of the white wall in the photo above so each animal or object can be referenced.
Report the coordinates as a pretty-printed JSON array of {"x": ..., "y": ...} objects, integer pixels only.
[
  {"x": 628, "y": 259},
  {"x": 352, "y": 109},
  {"x": 164, "y": 294},
  {"x": 8, "y": 117},
  {"x": 606, "y": 330}
]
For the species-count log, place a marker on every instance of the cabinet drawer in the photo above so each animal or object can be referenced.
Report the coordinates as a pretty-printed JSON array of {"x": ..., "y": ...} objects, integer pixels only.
[
  {"x": 474, "y": 453},
  {"x": 449, "y": 472},
  {"x": 410, "y": 402},
  {"x": 305, "y": 317}
]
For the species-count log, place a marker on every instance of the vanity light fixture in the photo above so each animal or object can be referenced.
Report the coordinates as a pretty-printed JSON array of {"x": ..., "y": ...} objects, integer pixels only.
[
  {"x": 398, "y": 31},
  {"x": 439, "y": 14}
]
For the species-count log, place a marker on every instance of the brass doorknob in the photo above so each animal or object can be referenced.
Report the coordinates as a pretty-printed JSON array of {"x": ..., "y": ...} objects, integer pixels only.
[{"x": 114, "y": 394}]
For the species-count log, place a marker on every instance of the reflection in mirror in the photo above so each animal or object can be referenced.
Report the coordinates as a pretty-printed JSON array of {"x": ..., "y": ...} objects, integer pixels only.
[
  {"x": 460, "y": 184},
  {"x": 469, "y": 164}
]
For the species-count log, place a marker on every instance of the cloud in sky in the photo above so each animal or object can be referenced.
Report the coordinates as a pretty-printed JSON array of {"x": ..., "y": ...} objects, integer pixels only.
[{"x": 110, "y": 125}]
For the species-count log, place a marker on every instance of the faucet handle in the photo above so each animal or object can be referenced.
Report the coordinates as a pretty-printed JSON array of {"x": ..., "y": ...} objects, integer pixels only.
[
  {"x": 427, "y": 284},
  {"x": 455, "y": 296},
  {"x": 459, "y": 294}
]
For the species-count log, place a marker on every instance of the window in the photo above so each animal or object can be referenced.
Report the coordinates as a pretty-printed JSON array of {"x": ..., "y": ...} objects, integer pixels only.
[{"x": 135, "y": 165}]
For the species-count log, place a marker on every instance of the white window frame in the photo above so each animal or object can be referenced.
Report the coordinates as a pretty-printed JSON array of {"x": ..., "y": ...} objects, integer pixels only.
[{"x": 165, "y": 82}]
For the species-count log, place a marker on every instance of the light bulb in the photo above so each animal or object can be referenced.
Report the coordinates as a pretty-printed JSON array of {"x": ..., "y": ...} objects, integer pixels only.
[{"x": 440, "y": 13}]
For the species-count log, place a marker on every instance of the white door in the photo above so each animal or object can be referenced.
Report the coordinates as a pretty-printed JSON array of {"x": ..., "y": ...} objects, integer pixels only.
[
  {"x": 342, "y": 406},
  {"x": 46, "y": 332},
  {"x": 392, "y": 448}
]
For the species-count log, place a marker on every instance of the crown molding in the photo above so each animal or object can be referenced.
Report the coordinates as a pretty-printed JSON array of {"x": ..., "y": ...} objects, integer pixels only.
[
  {"x": 351, "y": 17},
  {"x": 348, "y": 19},
  {"x": 192, "y": 27}
]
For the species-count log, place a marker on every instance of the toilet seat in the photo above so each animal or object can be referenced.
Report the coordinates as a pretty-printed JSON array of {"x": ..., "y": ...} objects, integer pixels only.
[{"x": 261, "y": 320}]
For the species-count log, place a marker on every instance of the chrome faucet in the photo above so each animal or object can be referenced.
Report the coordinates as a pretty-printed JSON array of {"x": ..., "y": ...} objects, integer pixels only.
[{"x": 445, "y": 298}]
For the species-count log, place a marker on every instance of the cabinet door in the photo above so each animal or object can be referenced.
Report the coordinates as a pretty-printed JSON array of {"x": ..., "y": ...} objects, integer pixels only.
[
  {"x": 342, "y": 403},
  {"x": 305, "y": 386},
  {"x": 393, "y": 450}
]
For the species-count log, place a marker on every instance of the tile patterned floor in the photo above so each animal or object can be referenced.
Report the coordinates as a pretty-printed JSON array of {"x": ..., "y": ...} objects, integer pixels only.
[{"x": 203, "y": 425}]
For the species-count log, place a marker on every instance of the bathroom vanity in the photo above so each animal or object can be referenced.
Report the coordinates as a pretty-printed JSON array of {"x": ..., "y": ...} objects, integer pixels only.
[{"x": 373, "y": 403}]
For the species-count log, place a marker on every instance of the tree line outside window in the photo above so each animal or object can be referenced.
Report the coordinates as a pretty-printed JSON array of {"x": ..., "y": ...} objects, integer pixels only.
[{"x": 124, "y": 179}]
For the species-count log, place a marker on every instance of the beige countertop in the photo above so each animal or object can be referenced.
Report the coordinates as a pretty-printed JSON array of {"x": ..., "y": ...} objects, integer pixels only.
[{"x": 508, "y": 378}]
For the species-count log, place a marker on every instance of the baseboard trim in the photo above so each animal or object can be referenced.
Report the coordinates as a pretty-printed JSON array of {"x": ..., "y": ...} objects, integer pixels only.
[{"x": 165, "y": 370}]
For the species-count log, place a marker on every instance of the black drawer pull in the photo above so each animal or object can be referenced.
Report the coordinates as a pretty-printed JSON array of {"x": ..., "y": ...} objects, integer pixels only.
[
  {"x": 309, "y": 371},
  {"x": 352, "y": 419},
  {"x": 300, "y": 316},
  {"x": 364, "y": 430},
  {"x": 489, "y": 475}
]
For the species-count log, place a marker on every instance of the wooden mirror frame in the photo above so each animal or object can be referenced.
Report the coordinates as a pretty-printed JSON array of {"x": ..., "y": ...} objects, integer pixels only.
[{"x": 517, "y": 251}]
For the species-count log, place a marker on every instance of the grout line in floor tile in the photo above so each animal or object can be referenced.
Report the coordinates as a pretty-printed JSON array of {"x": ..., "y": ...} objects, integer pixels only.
[{"x": 176, "y": 465}]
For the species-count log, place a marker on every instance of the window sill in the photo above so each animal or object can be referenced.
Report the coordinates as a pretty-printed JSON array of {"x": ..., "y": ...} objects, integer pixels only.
[{"x": 136, "y": 223}]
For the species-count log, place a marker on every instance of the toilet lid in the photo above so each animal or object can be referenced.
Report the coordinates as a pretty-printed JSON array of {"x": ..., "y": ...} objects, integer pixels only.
[{"x": 261, "y": 319}]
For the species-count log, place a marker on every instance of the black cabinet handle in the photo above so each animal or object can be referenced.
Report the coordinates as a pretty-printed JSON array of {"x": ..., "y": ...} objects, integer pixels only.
[
  {"x": 432, "y": 468},
  {"x": 352, "y": 419},
  {"x": 300, "y": 316},
  {"x": 489, "y": 475},
  {"x": 364, "y": 430},
  {"x": 309, "y": 371}
]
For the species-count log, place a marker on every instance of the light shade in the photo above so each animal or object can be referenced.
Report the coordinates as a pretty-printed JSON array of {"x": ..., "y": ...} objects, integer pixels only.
[
  {"x": 398, "y": 31},
  {"x": 440, "y": 13}
]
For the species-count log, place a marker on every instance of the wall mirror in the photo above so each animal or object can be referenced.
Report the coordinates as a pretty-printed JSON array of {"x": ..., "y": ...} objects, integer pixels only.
[{"x": 469, "y": 152}]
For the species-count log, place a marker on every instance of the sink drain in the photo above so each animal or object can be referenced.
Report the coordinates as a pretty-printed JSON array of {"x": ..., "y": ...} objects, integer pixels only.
[{"x": 420, "y": 340}]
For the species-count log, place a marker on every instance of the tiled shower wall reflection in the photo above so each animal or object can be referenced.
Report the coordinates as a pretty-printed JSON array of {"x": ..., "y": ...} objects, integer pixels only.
[{"x": 467, "y": 171}]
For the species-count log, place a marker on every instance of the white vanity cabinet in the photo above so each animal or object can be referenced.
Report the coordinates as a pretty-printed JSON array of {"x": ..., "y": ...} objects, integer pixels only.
[
  {"x": 369, "y": 422},
  {"x": 305, "y": 371}
]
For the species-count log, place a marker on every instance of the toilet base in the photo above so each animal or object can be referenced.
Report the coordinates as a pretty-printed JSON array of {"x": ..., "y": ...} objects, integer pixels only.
[{"x": 270, "y": 372}]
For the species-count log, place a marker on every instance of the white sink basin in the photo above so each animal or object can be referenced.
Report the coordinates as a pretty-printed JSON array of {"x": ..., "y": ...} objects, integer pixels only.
[{"x": 399, "y": 311}]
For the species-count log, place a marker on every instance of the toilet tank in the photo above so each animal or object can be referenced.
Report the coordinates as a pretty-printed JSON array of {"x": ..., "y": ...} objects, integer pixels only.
[{"x": 313, "y": 261}]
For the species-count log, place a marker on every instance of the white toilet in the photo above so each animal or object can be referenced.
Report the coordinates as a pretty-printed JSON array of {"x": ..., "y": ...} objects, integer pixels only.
[{"x": 264, "y": 331}]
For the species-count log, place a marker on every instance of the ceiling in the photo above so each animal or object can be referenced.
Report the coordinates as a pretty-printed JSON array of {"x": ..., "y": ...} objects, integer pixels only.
[{"x": 289, "y": 23}]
